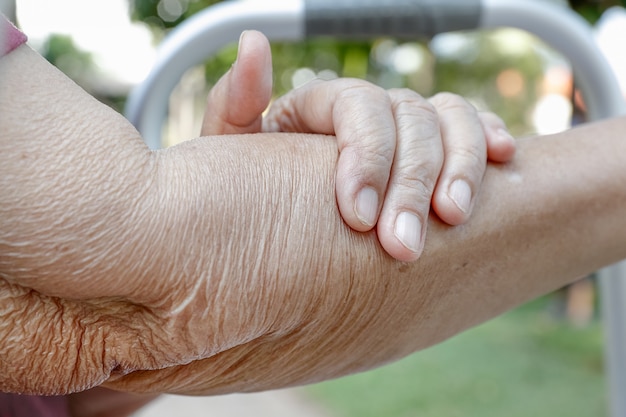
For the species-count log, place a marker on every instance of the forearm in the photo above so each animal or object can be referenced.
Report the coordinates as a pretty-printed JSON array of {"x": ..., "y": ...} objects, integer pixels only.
[{"x": 314, "y": 300}]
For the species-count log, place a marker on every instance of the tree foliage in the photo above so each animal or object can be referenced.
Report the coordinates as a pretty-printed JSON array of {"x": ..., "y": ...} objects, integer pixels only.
[
  {"x": 593, "y": 9},
  {"x": 63, "y": 53},
  {"x": 165, "y": 14}
]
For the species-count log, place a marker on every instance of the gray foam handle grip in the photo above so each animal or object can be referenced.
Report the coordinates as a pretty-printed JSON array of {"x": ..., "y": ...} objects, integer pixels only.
[{"x": 398, "y": 18}]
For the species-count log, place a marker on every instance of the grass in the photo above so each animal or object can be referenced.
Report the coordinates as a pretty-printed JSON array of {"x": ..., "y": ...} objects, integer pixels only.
[{"x": 525, "y": 363}]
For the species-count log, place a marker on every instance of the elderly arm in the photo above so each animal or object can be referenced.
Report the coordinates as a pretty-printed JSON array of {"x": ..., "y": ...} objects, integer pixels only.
[
  {"x": 223, "y": 265},
  {"x": 317, "y": 301}
]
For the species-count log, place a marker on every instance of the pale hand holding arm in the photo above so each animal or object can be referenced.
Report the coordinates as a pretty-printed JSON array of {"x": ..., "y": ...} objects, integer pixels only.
[
  {"x": 399, "y": 153},
  {"x": 223, "y": 265}
]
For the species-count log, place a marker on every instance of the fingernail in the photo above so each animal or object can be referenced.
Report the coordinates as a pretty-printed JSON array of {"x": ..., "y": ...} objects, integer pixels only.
[
  {"x": 461, "y": 193},
  {"x": 239, "y": 45},
  {"x": 408, "y": 230},
  {"x": 241, "y": 37},
  {"x": 366, "y": 206}
]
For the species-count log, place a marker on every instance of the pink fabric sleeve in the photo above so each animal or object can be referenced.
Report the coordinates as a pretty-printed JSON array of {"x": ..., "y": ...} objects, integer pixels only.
[
  {"x": 10, "y": 36},
  {"x": 14, "y": 405}
]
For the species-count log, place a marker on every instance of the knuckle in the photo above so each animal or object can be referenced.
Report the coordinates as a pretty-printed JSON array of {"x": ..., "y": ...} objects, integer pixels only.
[
  {"x": 409, "y": 104},
  {"x": 405, "y": 94},
  {"x": 468, "y": 157},
  {"x": 413, "y": 192},
  {"x": 418, "y": 178},
  {"x": 367, "y": 160},
  {"x": 382, "y": 154},
  {"x": 491, "y": 118},
  {"x": 366, "y": 106},
  {"x": 421, "y": 144},
  {"x": 351, "y": 87},
  {"x": 449, "y": 101},
  {"x": 406, "y": 98},
  {"x": 282, "y": 117}
]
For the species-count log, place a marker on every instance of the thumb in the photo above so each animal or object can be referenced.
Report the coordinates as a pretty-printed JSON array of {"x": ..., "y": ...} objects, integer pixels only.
[{"x": 236, "y": 103}]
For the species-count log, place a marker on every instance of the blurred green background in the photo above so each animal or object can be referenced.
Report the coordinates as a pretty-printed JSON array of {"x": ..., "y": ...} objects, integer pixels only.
[
  {"x": 542, "y": 359},
  {"x": 506, "y": 70}
]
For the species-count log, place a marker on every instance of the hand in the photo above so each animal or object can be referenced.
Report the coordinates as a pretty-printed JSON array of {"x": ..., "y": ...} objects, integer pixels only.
[{"x": 399, "y": 152}]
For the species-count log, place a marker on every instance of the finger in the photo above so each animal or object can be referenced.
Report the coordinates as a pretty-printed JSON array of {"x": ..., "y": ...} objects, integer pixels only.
[
  {"x": 465, "y": 151},
  {"x": 236, "y": 103},
  {"x": 306, "y": 109},
  {"x": 360, "y": 115},
  {"x": 500, "y": 143},
  {"x": 416, "y": 166}
]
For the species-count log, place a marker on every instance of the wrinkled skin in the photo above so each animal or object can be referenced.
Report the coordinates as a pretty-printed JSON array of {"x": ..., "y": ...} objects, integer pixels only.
[
  {"x": 223, "y": 264},
  {"x": 247, "y": 299},
  {"x": 117, "y": 261},
  {"x": 399, "y": 153}
]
